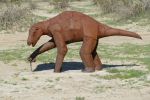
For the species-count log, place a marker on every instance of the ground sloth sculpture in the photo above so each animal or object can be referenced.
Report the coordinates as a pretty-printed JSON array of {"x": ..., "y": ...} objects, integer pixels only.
[{"x": 69, "y": 27}]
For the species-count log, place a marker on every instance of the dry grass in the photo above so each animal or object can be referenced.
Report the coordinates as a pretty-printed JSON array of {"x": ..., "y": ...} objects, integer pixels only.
[
  {"x": 12, "y": 15},
  {"x": 60, "y": 4},
  {"x": 16, "y": 14},
  {"x": 124, "y": 8},
  {"x": 32, "y": 4}
]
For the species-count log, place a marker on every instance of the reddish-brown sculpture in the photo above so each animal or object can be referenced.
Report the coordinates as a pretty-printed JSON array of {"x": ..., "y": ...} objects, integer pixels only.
[{"x": 69, "y": 27}]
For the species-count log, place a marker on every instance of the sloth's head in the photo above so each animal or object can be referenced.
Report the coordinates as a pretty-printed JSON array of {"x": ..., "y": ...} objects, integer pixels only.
[{"x": 35, "y": 32}]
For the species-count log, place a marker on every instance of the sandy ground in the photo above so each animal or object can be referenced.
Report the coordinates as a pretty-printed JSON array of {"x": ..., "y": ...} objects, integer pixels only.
[{"x": 17, "y": 82}]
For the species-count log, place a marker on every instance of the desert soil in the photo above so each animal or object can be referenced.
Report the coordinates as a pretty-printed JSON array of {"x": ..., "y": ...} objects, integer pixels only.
[{"x": 17, "y": 82}]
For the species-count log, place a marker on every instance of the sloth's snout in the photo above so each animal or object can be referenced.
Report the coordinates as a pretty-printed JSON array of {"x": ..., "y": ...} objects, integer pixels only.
[{"x": 29, "y": 43}]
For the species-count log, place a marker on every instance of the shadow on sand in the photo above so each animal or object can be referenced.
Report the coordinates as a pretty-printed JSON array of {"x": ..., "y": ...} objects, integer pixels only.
[{"x": 74, "y": 66}]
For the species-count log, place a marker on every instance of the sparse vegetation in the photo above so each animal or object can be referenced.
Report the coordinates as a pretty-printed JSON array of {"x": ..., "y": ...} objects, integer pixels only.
[
  {"x": 48, "y": 80},
  {"x": 11, "y": 16},
  {"x": 124, "y": 74},
  {"x": 100, "y": 89},
  {"x": 24, "y": 79},
  {"x": 60, "y": 4},
  {"x": 14, "y": 64},
  {"x": 57, "y": 79},
  {"x": 9, "y": 82},
  {"x": 36, "y": 77},
  {"x": 121, "y": 74},
  {"x": 27, "y": 87},
  {"x": 124, "y": 8},
  {"x": 17, "y": 16},
  {"x": 32, "y": 4},
  {"x": 127, "y": 52},
  {"x": 9, "y": 55},
  {"x": 80, "y": 98},
  {"x": 139, "y": 53}
]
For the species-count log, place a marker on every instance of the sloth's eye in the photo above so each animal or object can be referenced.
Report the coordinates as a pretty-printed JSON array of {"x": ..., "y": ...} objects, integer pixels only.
[{"x": 36, "y": 29}]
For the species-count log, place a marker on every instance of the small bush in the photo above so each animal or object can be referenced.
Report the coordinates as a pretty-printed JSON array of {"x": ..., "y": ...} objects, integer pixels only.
[
  {"x": 32, "y": 5},
  {"x": 80, "y": 98},
  {"x": 60, "y": 4}
]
